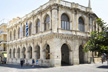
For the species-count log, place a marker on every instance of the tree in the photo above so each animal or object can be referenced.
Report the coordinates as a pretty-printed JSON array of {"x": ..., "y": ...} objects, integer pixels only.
[{"x": 98, "y": 41}]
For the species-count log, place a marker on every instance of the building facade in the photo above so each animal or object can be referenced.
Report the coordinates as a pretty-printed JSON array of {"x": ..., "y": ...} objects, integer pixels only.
[
  {"x": 3, "y": 42},
  {"x": 57, "y": 32}
]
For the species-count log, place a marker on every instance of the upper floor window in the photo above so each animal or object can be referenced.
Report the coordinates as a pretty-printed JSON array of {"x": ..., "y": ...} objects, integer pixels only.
[
  {"x": 38, "y": 26},
  {"x": 10, "y": 35},
  {"x": 19, "y": 33},
  {"x": 91, "y": 24},
  {"x": 24, "y": 29},
  {"x": 14, "y": 34},
  {"x": 30, "y": 29},
  {"x": 95, "y": 26},
  {"x": 81, "y": 25},
  {"x": 65, "y": 22},
  {"x": 47, "y": 23}
]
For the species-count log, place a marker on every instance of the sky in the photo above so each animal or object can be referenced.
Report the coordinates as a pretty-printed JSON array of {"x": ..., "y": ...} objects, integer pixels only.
[{"x": 10, "y": 9}]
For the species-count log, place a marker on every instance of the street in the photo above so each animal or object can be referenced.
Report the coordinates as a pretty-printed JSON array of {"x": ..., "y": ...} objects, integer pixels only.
[{"x": 98, "y": 67}]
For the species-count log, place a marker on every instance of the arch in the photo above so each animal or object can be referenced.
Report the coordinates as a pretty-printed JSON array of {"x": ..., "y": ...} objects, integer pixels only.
[
  {"x": 24, "y": 31},
  {"x": 37, "y": 26},
  {"x": 81, "y": 24},
  {"x": 37, "y": 52},
  {"x": 46, "y": 22},
  {"x": 81, "y": 54},
  {"x": 65, "y": 22},
  {"x": 64, "y": 54},
  {"x": 47, "y": 51},
  {"x": 30, "y": 28},
  {"x": 30, "y": 52},
  {"x": 14, "y": 53},
  {"x": 24, "y": 52},
  {"x": 18, "y": 51}
]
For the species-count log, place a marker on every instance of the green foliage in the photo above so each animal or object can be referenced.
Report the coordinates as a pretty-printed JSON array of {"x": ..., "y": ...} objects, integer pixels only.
[{"x": 99, "y": 40}]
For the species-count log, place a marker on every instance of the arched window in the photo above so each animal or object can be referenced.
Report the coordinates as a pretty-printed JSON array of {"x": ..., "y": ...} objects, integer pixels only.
[
  {"x": 19, "y": 33},
  {"x": 14, "y": 34},
  {"x": 30, "y": 29},
  {"x": 95, "y": 26},
  {"x": 10, "y": 35},
  {"x": 47, "y": 52},
  {"x": 24, "y": 31},
  {"x": 65, "y": 22},
  {"x": 38, "y": 26},
  {"x": 18, "y": 52},
  {"x": 47, "y": 23},
  {"x": 14, "y": 53},
  {"x": 81, "y": 24},
  {"x": 91, "y": 24}
]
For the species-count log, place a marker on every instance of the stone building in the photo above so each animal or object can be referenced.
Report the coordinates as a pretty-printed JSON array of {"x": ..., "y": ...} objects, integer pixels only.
[
  {"x": 57, "y": 32},
  {"x": 3, "y": 42}
]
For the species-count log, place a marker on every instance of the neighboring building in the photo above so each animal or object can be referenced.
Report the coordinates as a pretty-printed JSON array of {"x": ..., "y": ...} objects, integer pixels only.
[
  {"x": 57, "y": 32},
  {"x": 3, "y": 42}
]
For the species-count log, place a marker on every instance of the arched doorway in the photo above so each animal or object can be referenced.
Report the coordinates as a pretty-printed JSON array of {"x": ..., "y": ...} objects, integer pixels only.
[
  {"x": 24, "y": 52},
  {"x": 37, "y": 52},
  {"x": 81, "y": 55},
  {"x": 30, "y": 52},
  {"x": 64, "y": 55},
  {"x": 47, "y": 52},
  {"x": 10, "y": 53},
  {"x": 18, "y": 52}
]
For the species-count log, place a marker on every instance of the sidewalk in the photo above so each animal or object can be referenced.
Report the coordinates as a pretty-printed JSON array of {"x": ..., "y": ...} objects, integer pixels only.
[{"x": 98, "y": 67}]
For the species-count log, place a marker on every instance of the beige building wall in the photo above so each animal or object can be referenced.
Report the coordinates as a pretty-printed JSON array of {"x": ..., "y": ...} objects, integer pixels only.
[
  {"x": 53, "y": 38},
  {"x": 3, "y": 41}
]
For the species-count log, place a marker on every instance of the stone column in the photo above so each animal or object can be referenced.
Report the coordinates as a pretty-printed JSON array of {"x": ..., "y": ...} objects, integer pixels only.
[
  {"x": 41, "y": 23},
  {"x": 33, "y": 49},
  {"x": 87, "y": 21},
  {"x": 54, "y": 18},
  {"x": 76, "y": 52},
  {"x": 27, "y": 53},
  {"x": 73, "y": 23},
  {"x": 59, "y": 18},
  {"x": 55, "y": 47},
  {"x": 41, "y": 51},
  {"x": 76, "y": 20},
  {"x": 33, "y": 25},
  {"x": 8, "y": 55}
]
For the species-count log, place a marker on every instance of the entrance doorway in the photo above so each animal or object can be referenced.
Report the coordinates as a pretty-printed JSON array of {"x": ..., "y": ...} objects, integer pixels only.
[
  {"x": 64, "y": 55},
  {"x": 81, "y": 55}
]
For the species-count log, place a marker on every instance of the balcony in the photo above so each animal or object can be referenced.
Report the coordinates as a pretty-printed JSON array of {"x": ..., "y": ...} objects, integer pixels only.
[{"x": 3, "y": 42}]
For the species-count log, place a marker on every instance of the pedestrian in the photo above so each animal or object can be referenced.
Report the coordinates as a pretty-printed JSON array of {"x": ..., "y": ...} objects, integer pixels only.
[
  {"x": 107, "y": 59},
  {"x": 21, "y": 63},
  {"x": 33, "y": 62},
  {"x": 37, "y": 62},
  {"x": 103, "y": 57}
]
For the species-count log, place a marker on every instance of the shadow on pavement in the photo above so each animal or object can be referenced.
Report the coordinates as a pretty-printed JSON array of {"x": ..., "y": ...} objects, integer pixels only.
[
  {"x": 104, "y": 66},
  {"x": 24, "y": 67}
]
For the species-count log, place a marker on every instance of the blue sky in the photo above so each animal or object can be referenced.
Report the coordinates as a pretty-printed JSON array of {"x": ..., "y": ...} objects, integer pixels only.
[{"x": 13, "y": 8}]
